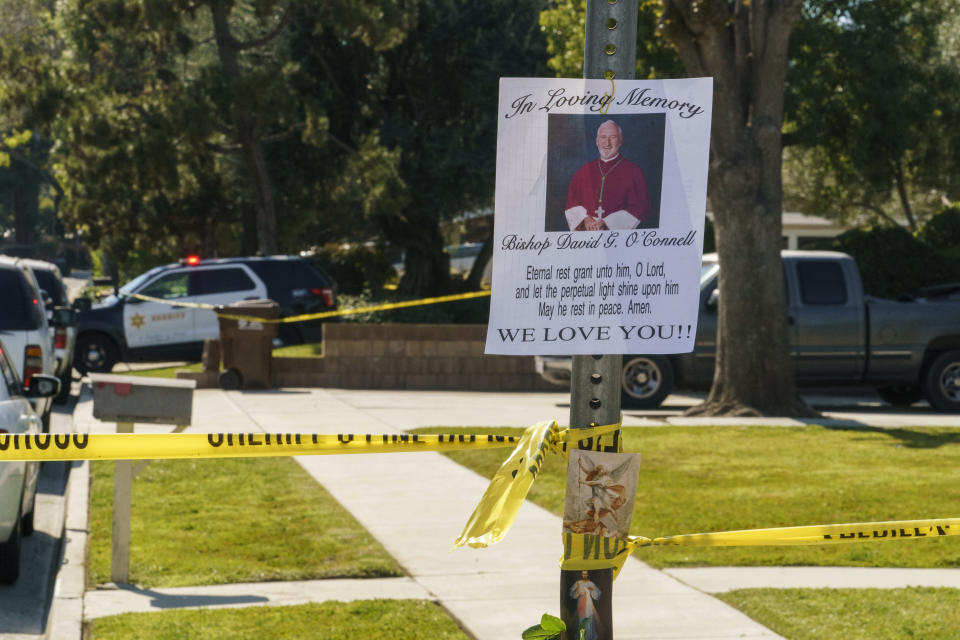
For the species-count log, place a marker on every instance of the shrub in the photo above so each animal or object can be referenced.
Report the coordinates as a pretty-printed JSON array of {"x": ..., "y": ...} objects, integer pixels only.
[
  {"x": 942, "y": 232},
  {"x": 893, "y": 262},
  {"x": 356, "y": 268}
]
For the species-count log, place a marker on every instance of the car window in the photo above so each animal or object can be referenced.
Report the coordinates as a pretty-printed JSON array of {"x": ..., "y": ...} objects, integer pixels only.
[
  {"x": 821, "y": 283},
  {"x": 135, "y": 284},
  {"x": 287, "y": 278},
  {"x": 49, "y": 282},
  {"x": 209, "y": 281},
  {"x": 11, "y": 386},
  {"x": 17, "y": 313},
  {"x": 172, "y": 285}
]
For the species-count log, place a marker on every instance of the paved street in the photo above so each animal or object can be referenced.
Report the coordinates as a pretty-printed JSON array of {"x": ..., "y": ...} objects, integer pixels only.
[{"x": 24, "y": 607}]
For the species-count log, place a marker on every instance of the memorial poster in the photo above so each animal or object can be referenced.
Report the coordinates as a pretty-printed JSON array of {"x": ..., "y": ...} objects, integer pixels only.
[{"x": 599, "y": 213}]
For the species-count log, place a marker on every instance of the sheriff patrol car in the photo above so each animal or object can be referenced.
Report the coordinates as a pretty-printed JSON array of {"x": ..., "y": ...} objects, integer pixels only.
[{"x": 123, "y": 328}]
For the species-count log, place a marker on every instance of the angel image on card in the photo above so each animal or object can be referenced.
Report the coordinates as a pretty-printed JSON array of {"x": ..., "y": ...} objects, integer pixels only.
[{"x": 600, "y": 492}]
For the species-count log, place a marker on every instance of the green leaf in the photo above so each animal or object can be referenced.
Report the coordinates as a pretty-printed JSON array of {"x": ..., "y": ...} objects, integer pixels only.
[
  {"x": 537, "y": 632},
  {"x": 552, "y": 623}
]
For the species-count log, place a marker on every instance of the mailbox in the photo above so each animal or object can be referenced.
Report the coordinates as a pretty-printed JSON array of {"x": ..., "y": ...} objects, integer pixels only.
[{"x": 141, "y": 399}]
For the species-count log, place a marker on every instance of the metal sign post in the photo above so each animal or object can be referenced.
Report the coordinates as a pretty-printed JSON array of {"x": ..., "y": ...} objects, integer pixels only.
[{"x": 610, "y": 52}]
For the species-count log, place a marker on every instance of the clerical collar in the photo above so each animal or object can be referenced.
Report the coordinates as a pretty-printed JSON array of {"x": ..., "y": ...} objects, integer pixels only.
[{"x": 610, "y": 160}]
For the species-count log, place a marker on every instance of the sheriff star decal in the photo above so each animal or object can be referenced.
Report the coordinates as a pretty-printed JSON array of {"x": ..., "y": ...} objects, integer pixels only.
[{"x": 137, "y": 320}]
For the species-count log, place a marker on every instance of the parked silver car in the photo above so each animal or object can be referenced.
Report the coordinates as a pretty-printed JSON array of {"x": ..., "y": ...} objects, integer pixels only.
[
  {"x": 62, "y": 319},
  {"x": 18, "y": 480}
]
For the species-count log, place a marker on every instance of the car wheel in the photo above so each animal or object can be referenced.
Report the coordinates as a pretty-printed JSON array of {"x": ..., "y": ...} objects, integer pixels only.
[
  {"x": 10, "y": 555},
  {"x": 95, "y": 353},
  {"x": 900, "y": 396},
  {"x": 26, "y": 520},
  {"x": 646, "y": 381},
  {"x": 941, "y": 382}
]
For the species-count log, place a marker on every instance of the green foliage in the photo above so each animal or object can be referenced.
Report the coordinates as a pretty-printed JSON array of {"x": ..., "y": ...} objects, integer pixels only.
[
  {"x": 470, "y": 311},
  {"x": 893, "y": 262},
  {"x": 871, "y": 95},
  {"x": 563, "y": 25},
  {"x": 356, "y": 268},
  {"x": 193, "y": 523},
  {"x": 550, "y": 628},
  {"x": 853, "y": 614},
  {"x": 702, "y": 479},
  {"x": 331, "y": 620},
  {"x": 942, "y": 232}
]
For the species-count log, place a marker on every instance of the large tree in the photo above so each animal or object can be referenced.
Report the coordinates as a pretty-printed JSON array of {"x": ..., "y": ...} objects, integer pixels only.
[
  {"x": 872, "y": 107},
  {"x": 439, "y": 109},
  {"x": 743, "y": 46}
]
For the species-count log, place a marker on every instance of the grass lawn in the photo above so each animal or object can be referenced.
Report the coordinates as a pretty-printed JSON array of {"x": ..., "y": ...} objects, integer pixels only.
[
  {"x": 701, "y": 479},
  {"x": 367, "y": 619},
  {"x": 198, "y": 522},
  {"x": 312, "y": 350},
  {"x": 853, "y": 614}
]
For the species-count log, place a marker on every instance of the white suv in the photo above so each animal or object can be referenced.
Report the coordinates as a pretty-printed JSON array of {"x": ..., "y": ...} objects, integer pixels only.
[{"x": 24, "y": 329}]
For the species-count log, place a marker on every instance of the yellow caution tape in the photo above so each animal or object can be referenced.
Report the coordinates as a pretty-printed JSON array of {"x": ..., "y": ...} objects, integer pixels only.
[
  {"x": 585, "y": 551},
  {"x": 323, "y": 314},
  {"x": 509, "y": 486},
  {"x": 820, "y": 534},
  {"x": 154, "y": 446},
  {"x": 588, "y": 552}
]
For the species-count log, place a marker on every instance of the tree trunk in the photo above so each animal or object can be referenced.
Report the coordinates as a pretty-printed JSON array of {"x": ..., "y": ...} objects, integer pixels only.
[
  {"x": 426, "y": 267},
  {"x": 743, "y": 46},
  {"x": 247, "y": 128}
]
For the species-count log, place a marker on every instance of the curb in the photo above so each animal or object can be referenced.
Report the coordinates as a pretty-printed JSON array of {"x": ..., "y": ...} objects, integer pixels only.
[{"x": 65, "y": 620}]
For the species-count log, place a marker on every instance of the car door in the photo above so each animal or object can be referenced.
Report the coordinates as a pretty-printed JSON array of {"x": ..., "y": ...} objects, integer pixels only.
[
  {"x": 147, "y": 323},
  {"x": 826, "y": 322},
  {"x": 220, "y": 285}
]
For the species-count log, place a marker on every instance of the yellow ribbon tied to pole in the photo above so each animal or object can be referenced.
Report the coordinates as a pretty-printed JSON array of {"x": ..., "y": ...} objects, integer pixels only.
[{"x": 498, "y": 507}]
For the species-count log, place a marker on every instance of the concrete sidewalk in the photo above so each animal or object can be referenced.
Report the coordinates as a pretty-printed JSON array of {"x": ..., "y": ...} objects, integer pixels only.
[{"x": 416, "y": 505}]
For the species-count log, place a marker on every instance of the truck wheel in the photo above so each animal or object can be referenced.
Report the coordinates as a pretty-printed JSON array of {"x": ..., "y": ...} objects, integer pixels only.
[
  {"x": 10, "y": 555},
  {"x": 96, "y": 353},
  {"x": 941, "y": 382},
  {"x": 646, "y": 381},
  {"x": 27, "y": 519},
  {"x": 900, "y": 396}
]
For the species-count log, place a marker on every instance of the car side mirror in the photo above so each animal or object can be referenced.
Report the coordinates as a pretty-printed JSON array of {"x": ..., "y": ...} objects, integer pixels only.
[
  {"x": 82, "y": 304},
  {"x": 64, "y": 317},
  {"x": 42, "y": 386},
  {"x": 714, "y": 300}
]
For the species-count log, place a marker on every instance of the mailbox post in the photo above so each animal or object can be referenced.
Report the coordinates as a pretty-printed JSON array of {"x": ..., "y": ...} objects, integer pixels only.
[{"x": 126, "y": 400}]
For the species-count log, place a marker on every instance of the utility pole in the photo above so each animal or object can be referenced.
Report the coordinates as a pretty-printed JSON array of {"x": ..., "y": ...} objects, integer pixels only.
[{"x": 610, "y": 52}]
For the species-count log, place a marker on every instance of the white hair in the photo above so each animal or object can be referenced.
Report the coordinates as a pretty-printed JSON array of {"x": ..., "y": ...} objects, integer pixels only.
[{"x": 619, "y": 130}]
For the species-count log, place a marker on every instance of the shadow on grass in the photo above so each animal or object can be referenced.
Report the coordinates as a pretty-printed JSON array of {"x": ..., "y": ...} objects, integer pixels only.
[{"x": 906, "y": 437}]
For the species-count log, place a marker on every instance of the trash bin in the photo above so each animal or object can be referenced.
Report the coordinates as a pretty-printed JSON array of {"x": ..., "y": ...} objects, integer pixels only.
[{"x": 247, "y": 345}]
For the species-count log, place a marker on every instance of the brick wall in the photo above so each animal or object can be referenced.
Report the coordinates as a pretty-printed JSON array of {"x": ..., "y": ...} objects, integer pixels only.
[{"x": 406, "y": 356}]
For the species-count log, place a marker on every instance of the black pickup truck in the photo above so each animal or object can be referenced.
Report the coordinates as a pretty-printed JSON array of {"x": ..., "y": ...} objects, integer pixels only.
[{"x": 905, "y": 349}]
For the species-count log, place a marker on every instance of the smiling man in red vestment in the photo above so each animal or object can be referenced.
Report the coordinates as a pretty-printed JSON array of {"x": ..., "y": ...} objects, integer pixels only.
[{"x": 610, "y": 192}]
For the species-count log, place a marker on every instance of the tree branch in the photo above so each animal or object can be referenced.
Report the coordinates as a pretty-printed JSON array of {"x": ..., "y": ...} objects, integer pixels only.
[
  {"x": 48, "y": 177},
  {"x": 148, "y": 117},
  {"x": 283, "y": 135},
  {"x": 273, "y": 33}
]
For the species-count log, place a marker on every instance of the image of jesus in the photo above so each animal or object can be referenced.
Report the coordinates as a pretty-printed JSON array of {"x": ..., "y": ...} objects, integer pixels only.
[
  {"x": 609, "y": 192},
  {"x": 585, "y": 592}
]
